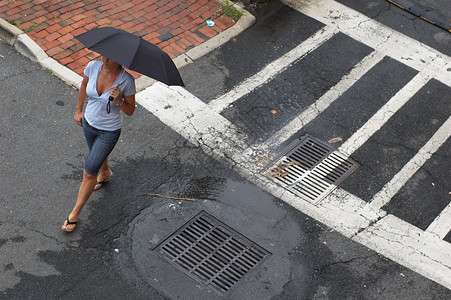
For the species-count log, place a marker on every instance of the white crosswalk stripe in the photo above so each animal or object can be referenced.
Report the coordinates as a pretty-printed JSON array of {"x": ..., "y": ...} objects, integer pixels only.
[
  {"x": 273, "y": 69},
  {"x": 327, "y": 99},
  {"x": 202, "y": 124},
  {"x": 385, "y": 113},
  {"x": 378, "y": 36},
  {"x": 442, "y": 224},
  {"x": 393, "y": 186}
]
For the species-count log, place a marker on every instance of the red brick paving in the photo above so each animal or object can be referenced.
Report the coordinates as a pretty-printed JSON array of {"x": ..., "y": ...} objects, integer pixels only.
[{"x": 173, "y": 25}]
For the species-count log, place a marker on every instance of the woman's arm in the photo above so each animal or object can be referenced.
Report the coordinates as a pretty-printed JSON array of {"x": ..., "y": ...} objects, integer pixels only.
[
  {"x": 127, "y": 105},
  {"x": 81, "y": 101}
]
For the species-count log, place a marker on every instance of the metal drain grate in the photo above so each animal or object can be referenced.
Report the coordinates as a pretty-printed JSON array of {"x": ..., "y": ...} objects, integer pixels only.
[
  {"x": 312, "y": 169},
  {"x": 211, "y": 252}
]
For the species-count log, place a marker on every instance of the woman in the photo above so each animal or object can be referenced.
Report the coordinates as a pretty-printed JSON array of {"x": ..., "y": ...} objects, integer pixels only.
[{"x": 102, "y": 123}]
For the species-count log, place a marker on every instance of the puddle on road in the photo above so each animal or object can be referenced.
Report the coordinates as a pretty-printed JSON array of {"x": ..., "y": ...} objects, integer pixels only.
[
  {"x": 205, "y": 188},
  {"x": 232, "y": 192}
]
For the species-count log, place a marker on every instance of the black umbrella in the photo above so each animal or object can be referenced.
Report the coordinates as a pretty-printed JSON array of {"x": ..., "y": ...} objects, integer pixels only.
[{"x": 132, "y": 52}]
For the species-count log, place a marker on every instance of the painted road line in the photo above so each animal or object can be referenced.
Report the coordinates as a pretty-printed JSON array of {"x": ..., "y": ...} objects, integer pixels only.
[
  {"x": 390, "y": 236},
  {"x": 217, "y": 136},
  {"x": 193, "y": 119},
  {"x": 410, "y": 246},
  {"x": 392, "y": 187},
  {"x": 378, "y": 36},
  {"x": 272, "y": 69},
  {"x": 386, "y": 112},
  {"x": 441, "y": 226},
  {"x": 327, "y": 99}
]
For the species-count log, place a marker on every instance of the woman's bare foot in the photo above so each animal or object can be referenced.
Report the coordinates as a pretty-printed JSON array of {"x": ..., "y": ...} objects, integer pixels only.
[
  {"x": 69, "y": 225},
  {"x": 101, "y": 179}
]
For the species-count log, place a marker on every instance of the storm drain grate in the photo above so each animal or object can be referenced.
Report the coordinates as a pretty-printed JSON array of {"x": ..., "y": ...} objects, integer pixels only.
[
  {"x": 312, "y": 169},
  {"x": 211, "y": 252}
]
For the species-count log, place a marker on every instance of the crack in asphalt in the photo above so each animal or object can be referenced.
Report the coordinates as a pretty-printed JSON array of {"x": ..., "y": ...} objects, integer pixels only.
[
  {"x": 344, "y": 262},
  {"x": 371, "y": 223},
  {"x": 441, "y": 183},
  {"x": 17, "y": 74},
  {"x": 39, "y": 232},
  {"x": 404, "y": 245}
]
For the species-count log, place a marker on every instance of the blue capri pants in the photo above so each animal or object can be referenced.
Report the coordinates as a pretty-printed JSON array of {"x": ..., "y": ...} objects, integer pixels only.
[{"x": 100, "y": 143}]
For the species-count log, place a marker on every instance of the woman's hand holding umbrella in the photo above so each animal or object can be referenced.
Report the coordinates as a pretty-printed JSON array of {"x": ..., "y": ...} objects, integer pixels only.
[{"x": 115, "y": 94}]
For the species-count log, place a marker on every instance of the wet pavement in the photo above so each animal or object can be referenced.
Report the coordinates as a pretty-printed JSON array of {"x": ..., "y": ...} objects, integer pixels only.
[
  {"x": 410, "y": 24},
  {"x": 111, "y": 254}
]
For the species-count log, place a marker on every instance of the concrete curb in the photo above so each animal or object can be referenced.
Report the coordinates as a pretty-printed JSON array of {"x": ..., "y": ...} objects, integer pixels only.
[
  {"x": 27, "y": 47},
  {"x": 246, "y": 21}
]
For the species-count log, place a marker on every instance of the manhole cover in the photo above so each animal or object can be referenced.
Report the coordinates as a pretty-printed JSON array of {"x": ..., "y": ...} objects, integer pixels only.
[
  {"x": 312, "y": 169},
  {"x": 211, "y": 252}
]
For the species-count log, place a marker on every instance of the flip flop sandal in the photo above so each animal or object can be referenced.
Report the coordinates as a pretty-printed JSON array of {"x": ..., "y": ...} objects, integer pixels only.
[
  {"x": 104, "y": 181},
  {"x": 70, "y": 223}
]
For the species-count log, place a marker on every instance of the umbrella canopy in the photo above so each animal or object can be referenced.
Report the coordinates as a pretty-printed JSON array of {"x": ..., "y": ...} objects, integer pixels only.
[{"x": 132, "y": 52}]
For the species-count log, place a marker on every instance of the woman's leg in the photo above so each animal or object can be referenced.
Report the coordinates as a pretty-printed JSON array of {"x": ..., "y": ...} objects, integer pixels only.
[
  {"x": 104, "y": 172},
  {"x": 100, "y": 145},
  {"x": 85, "y": 191}
]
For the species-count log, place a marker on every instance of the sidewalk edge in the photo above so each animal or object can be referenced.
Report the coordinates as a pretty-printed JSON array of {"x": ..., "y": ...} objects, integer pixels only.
[
  {"x": 29, "y": 48},
  {"x": 246, "y": 21}
]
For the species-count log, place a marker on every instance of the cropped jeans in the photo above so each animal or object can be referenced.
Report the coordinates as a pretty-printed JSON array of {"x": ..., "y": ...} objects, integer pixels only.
[{"x": 100, "y": 143}]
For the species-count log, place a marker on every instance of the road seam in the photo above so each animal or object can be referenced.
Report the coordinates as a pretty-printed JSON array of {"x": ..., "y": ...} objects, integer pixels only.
[{"x": 369, "y": 32}]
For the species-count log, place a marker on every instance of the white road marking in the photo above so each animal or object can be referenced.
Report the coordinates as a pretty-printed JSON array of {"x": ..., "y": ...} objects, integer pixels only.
[
  {"x": 392, "y": 187},
  {"x": 272, "y": 69},
  {"x": 410, "y": 246},
  {"x": 441, "y": 226},
  {"x": 422, "y": 251},
  {"x": 203, "y": 127},
  {"x": 342, "y": 211},
  {"x": 384, "y": 113},
  {"x": 327, "y": 99},
  {"x": 378, "y": 36}
]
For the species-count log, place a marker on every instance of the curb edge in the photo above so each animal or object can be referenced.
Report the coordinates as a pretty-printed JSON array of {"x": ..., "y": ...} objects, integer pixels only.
[{"x": 29, "y": 48}]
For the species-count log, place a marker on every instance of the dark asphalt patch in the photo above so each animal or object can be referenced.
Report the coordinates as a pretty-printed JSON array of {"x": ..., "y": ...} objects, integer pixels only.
[
  {"x": 251, "y": 211},
  {"x": 248, "y": 53},
  {"x": 292, "y": 91},
  {"x": 405, "y": 22},
  {"x": 448, "y": 237},
  {"x": 85, "y": 274},
  {"x": 360, "y": 102},
  {"x": 390, "y": 148},
  {"x": 426, "y": 194}
]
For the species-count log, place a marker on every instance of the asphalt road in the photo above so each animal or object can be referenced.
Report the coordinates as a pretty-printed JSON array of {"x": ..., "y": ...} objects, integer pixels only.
[{"x": 111, "y": 255}]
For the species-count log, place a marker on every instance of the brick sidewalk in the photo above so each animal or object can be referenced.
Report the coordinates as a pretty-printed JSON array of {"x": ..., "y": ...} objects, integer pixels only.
[{"x": 173, "y": 25}]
